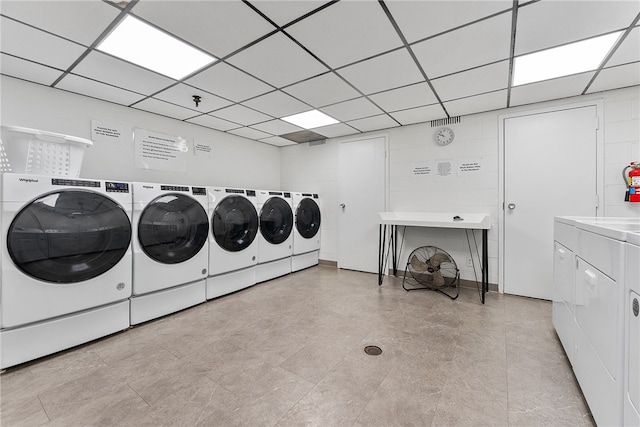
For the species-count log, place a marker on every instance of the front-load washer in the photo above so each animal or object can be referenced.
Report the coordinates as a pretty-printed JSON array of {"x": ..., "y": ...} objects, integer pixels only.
[
  {"x": 306, "y": 233},
  {"x": 65, "y": 262},
  {"x": 233, "y": 247},
  {"x": 170, "y": 249},
  {"x": 275, "y": 239}
]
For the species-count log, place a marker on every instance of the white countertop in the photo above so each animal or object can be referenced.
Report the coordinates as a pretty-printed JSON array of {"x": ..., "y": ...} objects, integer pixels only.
[
  {"x": 437, "y": 219},
  {"x": 626, "y": 229}
]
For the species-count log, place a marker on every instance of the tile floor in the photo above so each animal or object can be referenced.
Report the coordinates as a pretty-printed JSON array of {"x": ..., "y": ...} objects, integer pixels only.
[{"x": 289, "y": 352}]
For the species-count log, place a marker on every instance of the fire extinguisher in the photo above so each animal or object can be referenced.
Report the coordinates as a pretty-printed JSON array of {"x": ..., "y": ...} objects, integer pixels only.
[{"x": 632, "y": 181}]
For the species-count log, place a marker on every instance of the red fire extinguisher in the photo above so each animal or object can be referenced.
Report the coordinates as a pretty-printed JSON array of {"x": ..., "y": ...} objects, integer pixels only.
[{"x": 632, "y": 180}]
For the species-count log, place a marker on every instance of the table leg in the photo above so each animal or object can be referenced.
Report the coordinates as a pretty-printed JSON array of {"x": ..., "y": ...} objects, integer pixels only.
[
  {"x": 382, "y": 233},
  {"x": 485, "y": 264}
]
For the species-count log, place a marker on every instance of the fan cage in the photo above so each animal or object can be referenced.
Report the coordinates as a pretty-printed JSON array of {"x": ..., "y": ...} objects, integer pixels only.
[{"x": 432, "y": 268}]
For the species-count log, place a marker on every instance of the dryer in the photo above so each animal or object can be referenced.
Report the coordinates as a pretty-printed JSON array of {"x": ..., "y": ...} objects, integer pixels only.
[
  {"x": 170, "y": 249},
  {"x": 631, "y": 395},
  {"x": 233, "y": 247},
  {"x": 275, "y": 239},
  {"x": 65, "y": 263},
  {"x": 306, "y": 233}
]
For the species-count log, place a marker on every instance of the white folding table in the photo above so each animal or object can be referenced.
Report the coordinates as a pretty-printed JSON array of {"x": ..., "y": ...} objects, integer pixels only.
[{"x": 466, "y": 221}]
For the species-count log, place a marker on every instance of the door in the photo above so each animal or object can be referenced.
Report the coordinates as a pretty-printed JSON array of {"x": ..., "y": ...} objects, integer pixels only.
[
  {"x": 173, "y": 228},
  {"x": 69, "y": 236},
  {"x": 362, "y": 179},
  {"x": 307, "y": 218},
  {"x": 550, "y": 167},
  {"x": 234, "y": 223},
  {"x": 276, "y": 220}
]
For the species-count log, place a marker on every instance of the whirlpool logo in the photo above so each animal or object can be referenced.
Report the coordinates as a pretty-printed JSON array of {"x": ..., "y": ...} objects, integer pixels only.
[{"x": 28, "y": 180}]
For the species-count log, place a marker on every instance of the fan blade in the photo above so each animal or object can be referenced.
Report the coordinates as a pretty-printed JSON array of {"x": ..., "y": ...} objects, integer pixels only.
[
  {"x": 438, "y": 259},
  {"x": 417, "y": 264},
  {"x": 438, "y": 279}
]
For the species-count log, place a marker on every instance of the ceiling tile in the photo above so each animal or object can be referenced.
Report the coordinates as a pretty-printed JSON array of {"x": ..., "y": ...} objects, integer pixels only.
[
  {"x": 351, "y": 110},
  {"x": 277, "y": 104},
  {"x": 84, "y": 86},
  {"x": 35, "y": 45},
  {"x": 563, "y": 87},
  {"x": 241, "y": 114},
  {"x": 383, "y": 72},
  {"x": 277, "y": 127},
  {"x": 271, "y": 60},
  {"x": 165, "y": 109},
  {"x": 477, "y": 104},
  {"x": 277, "y": 141},
  {"x": 80, "y": 21},
  {"x": 284, "y": 11},
  {"x": 551, "y": 23},
  {"x": 249, "y": 133},
  {"x": 367, "y": 124},
  {"x": 334, "y": 131},
  {"x": 346, "y": 32},
  {"x": 405, "y": 97},
  {"x": 228, "y": 82},
  {"x": 473, "y": 82},
  {"x": 471, "y": 46},
  {"x": 419, "y": 115},
  {"x": 27, "y": 70},
  {"x": 420, "y": 19},
  {"x": 322, "y": 90},
  {"x": 219, "y": 27},
  {"x": 182, "y": 95},
  {"x": 617, "y": 77},
  {"x": 108, "y": 69},
  {"x": 629, "y": 50},
  {"x": 213, "y": 122}
]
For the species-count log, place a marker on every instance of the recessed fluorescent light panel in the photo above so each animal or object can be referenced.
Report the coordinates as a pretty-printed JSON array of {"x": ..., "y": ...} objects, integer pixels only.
[
  {"x": 145, "y": 45},
  {"x": 310, "y": 119},
  {"x": 562, "y": 61}
]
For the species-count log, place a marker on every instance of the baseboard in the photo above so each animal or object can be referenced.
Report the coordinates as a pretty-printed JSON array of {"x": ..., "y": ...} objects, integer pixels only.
[
  {"x": 464, "y": 283},
  {"x": 328, "y": 263}
]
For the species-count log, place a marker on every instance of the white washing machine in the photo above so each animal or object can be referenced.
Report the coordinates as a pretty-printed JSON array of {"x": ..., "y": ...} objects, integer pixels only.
[
  {"x": 65, "y": 262},
  {"x": 233, "y": 247},
  {"x": 275, "y": 239},
  {"x": 170, "y": 249},
  {"x": 631, "y": 395},
  {"x": 306, "y": 233}
]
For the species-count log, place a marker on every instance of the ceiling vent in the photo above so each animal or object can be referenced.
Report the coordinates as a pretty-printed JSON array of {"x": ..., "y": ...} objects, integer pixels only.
[
  {"x": 303, "y": 136},
  {"x": 444, "y": 122}
]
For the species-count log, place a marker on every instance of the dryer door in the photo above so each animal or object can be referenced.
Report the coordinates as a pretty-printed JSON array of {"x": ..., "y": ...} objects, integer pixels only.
[
  {"x": 69, "y": 236},
  {"x": 173, "y": 228},
  {"x": 308, "y": 218},
  {"x": 234, "y": 223},
  {"x": 276, "y": 220}
]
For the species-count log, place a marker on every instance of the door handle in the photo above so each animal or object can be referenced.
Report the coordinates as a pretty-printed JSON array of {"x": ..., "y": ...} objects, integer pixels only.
[
  {"x": 511, "y": 206},
  {"x": 342, "y": 205}
]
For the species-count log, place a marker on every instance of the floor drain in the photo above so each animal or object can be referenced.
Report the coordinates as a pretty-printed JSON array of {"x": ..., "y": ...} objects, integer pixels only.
[{"x": 373, "y": 350}]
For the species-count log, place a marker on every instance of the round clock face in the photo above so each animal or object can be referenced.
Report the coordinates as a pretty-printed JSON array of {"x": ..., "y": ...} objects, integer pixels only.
[{"x": 444, "y": 136}]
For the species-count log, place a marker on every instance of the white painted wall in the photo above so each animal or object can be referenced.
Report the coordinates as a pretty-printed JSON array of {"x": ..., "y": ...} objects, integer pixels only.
[
  {"x": 315, "y": 169},
  {"x": 236, "y": 161}
]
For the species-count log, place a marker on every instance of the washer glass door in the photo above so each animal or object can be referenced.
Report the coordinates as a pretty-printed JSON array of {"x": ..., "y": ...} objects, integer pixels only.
[
  {"x": 276, "y": 220},
  {"x": 308, "y": 218},
  {"x": 234, "y": 223},
  {"x": 69, "y": 236},
  {"x": 173, "y": 228}
]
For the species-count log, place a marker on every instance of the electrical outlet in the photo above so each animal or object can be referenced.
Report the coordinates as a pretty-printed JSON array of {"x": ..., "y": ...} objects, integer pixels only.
[{"x": 469, "y": 262}]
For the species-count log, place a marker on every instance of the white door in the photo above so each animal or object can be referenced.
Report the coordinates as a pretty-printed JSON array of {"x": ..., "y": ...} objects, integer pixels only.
[
  {"x": 549, "y": 170},
  {"x": 361, "y": 194}
]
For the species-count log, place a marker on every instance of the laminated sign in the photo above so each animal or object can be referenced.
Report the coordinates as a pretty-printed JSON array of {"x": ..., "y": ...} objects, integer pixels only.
[{"x": 160, "y": 151}]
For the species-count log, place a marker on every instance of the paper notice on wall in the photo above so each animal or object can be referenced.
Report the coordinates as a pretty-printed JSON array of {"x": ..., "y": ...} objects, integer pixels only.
[
  {"x": 112, "y": 133},
  {"x": 444, "y": 169},
  {"x": 202, "y": 148},
  {"x": 160, "y": 151},
  {"x": 470, "y": 167},
  {"x": 422, "y": 170}
]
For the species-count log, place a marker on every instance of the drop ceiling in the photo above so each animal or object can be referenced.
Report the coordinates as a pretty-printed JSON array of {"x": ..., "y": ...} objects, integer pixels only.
[{"x": 369, "y": 64}]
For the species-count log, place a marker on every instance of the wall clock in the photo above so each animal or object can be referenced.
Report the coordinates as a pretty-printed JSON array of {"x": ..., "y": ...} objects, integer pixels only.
[{"x": 444, "y": 136}]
